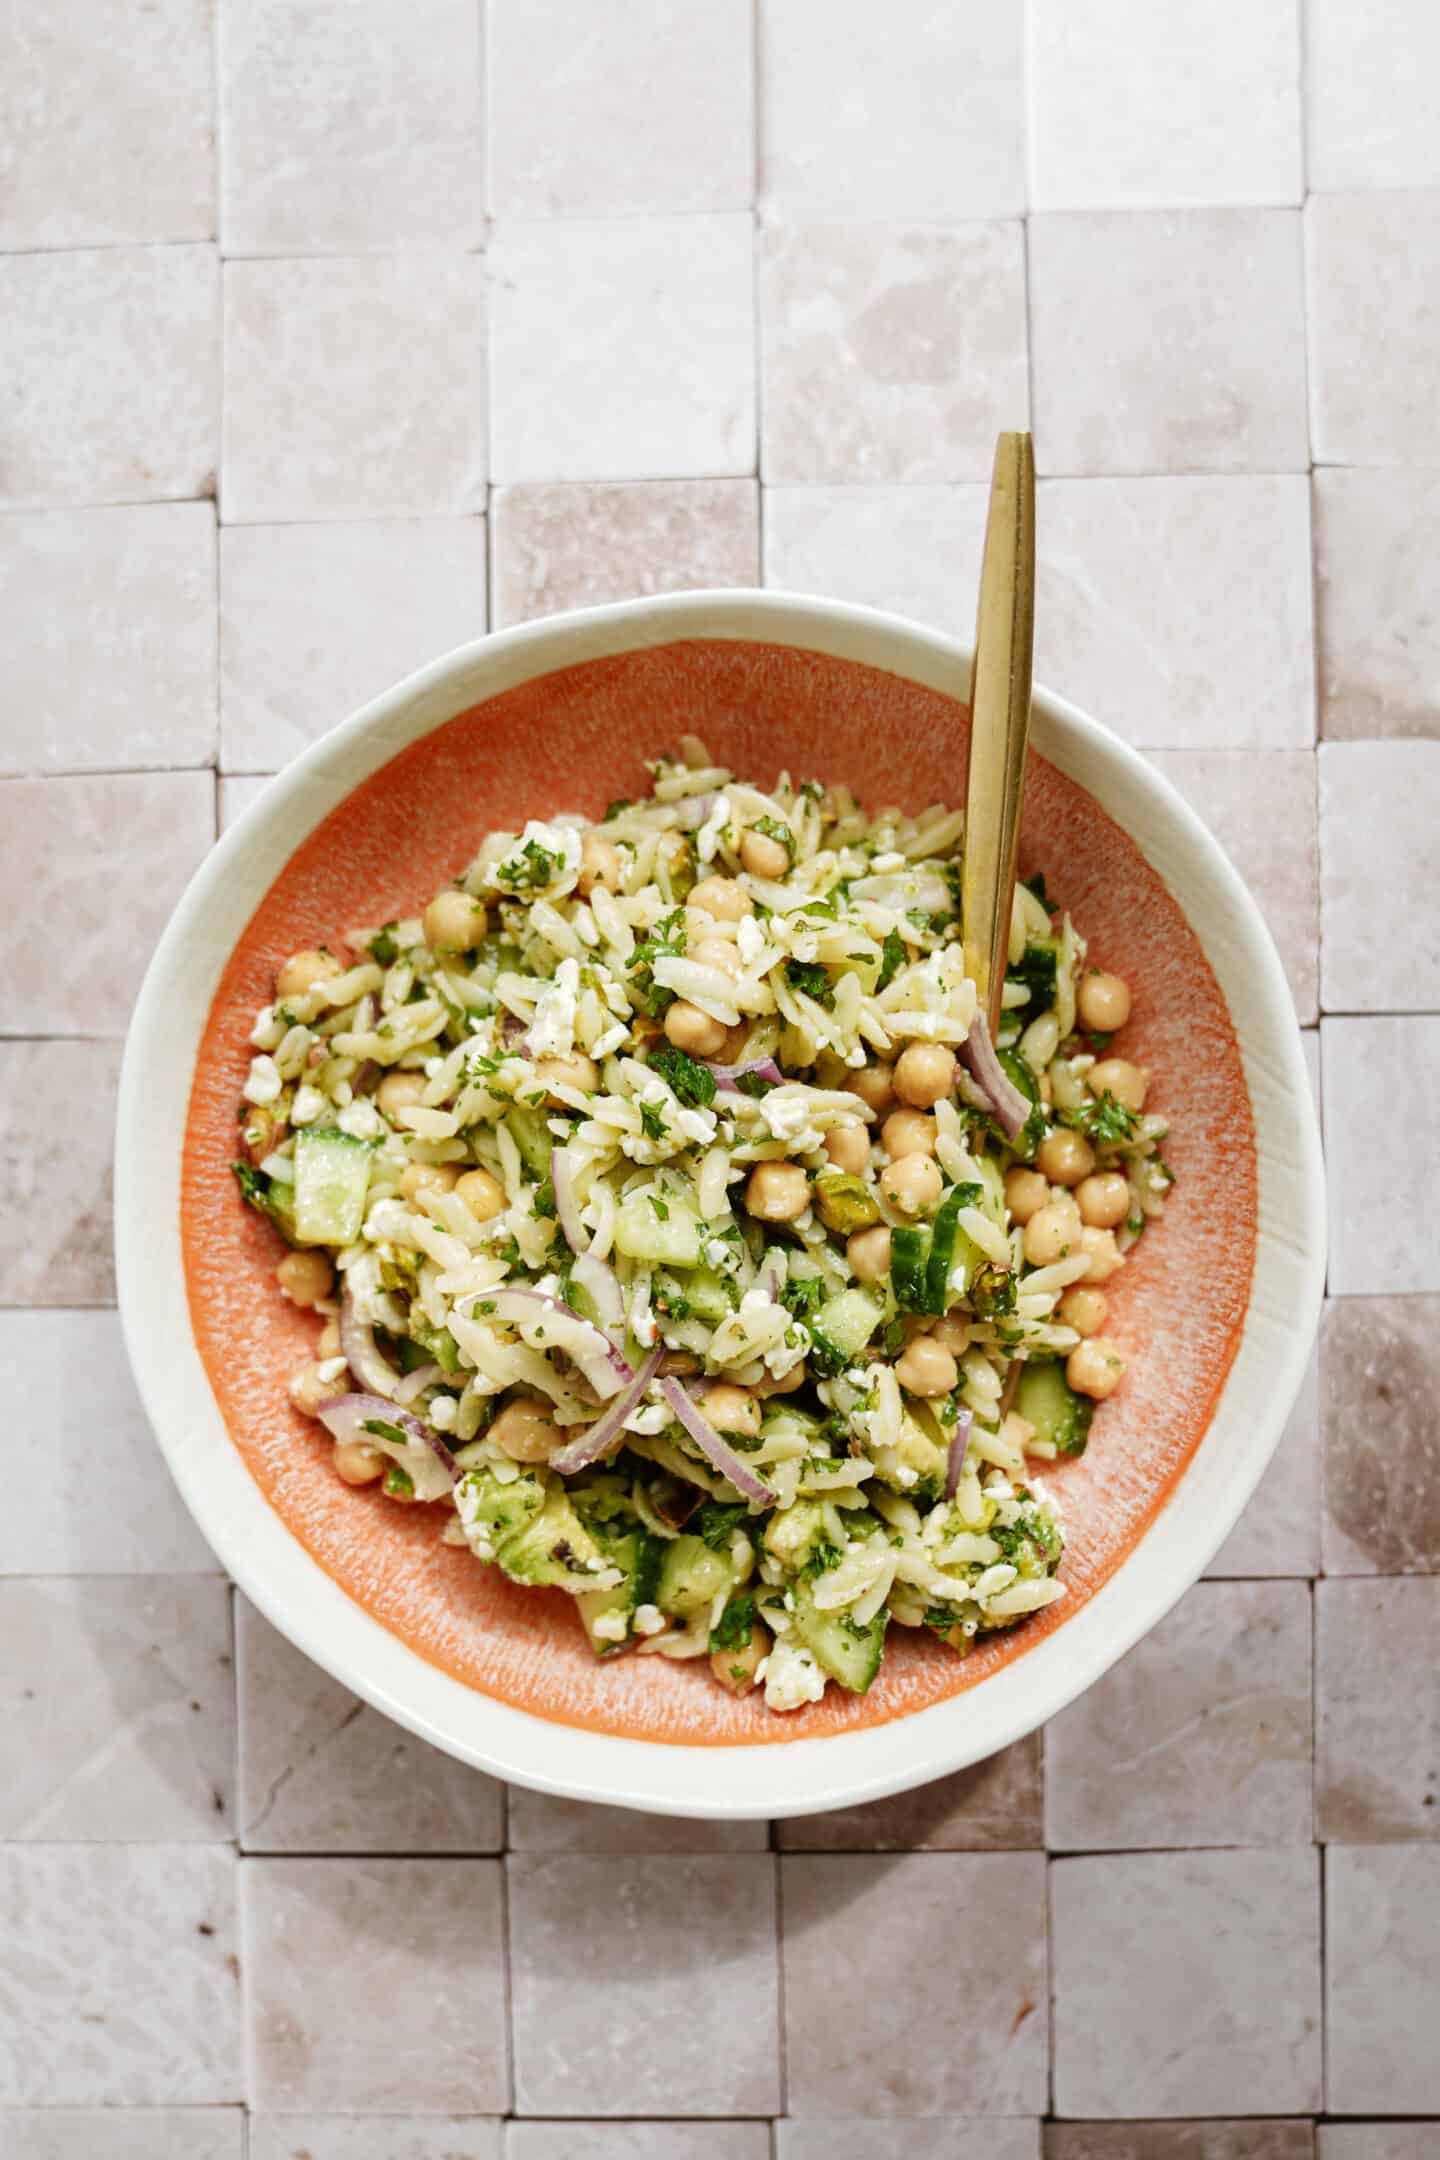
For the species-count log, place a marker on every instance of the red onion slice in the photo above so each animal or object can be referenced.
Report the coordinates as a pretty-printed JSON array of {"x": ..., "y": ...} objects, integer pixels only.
[
  {"x": 955, "y": 1460},
  {"x": 598, "y": 1439},
  {"x": 361, "y": 1352},
  {"x": 715, "y": 1450},
  {"x": 415, "y": 1383},
  {"x": 605, "y": 1367},
  {"x": 602, "y": 1285},
  {"x": 567, "y": 1206},
  {"x": 977, "y": 1054},
  {"x": 345, "y": 1417},
  {"x": 727, "y": 1076}
]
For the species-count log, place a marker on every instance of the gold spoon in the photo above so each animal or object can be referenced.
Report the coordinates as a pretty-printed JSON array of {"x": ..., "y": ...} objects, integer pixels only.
[{"x": 999, "y": 720}]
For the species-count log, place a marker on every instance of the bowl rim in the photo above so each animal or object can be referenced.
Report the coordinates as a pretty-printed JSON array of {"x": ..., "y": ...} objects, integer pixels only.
[{"x": 806, "y": 1775}]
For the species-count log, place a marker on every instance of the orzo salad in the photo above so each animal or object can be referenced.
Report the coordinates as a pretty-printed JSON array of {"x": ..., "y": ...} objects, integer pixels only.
[{"x": 676, "y": 1226}]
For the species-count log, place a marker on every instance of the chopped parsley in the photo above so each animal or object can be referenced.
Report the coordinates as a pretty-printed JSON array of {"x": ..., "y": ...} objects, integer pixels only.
[
  {"x": 735, "y": 1627},
  {"x": 661, "y": 1207},
  {"x": 666, "y": 940},
  {"x": 811, "y": 978},
  {"x": 718, "y": 1522},
  {"x": 652, "y": 1121},
  {"x": 750, "y": 1083},
  {"x": 802, "y": 1294},
  {"x": 773, "y": 829},
  {"x": 691, "y": 1083},
  {"x": 1107, "y": 1122},
  {"x": 544, "y": 1200},
  {"x": 383, "y": 946},
  {"x": 821, "y": 1557},
  {"x": 529, "y": 869},
  {"x": 892, "y": 959},
  {"x": 613, "y": 810}
]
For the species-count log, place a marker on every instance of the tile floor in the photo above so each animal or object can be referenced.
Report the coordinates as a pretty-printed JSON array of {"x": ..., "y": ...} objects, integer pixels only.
[{"x": 324, "y": 342}]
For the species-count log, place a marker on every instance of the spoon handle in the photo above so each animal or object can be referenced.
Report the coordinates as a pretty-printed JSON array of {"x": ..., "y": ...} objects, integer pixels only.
[{"x": 999, "y": 719}]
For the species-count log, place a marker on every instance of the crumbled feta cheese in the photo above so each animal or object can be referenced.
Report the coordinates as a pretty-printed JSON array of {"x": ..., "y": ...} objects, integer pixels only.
[
  {"x": 262, "y": 1082},
  {"x": 756, "y": 1301},
  {"x": 649, "y": 1620},
  {"x": 552, "y": 1031},
  {"x": 786, "y": 1111},
  {"x": 361, "y": 1120},
  {"x": 707, "y": 840},
  {"x": 750, "y": 938},
  {"x": 443, "y": 1409},
  {"x": 696, "y": 1125},
  {"x": 792, "y": 1677},
  {"x": 717, "y": 1252},
  {"x": 609, "y": 1626},
  {"x": 330, "y": 1369},
  {"x": 642, "y": 1320},
  {"x": 268, "y": 1033},
  {"x": 307, "y": 1106}
]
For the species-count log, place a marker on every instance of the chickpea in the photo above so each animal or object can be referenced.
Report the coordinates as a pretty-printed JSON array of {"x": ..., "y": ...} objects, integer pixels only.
[
  {"x": 1065, "y": 1157},
  {"x": 868, "y": 1253},
  {"x": 1095, "y": 1368},
  {"x": 1026, "y": 1192},
  {"x": 1084, "y": 1309},
  {"x": 925, "y": 1074},
  {"x": 721, "y": 897},
  {"x": 1052, "y": 1232},
  {"x": 1104, "y": 1199},
  {"x": 693, "y": 753},
  {"x": 736, "y": 1669},
  {"x": 599, "y": 865},
  {"x": 786, "y": 1385},
  {"x": 1047, "y": 1090},
  {"x": 305, "y": 1277},
  {"x": 848, "y": 1147},
  {"x": 526, "y": 1430},
  {"x": 731, "y": 1409},
  {"x": 575, "y": 1071},
  {"x": 913, "y": 1185},
  {"x": 693, "y": 1031},
  {"x": 952, "y": 1332},
  {"x": 927, "y": 1368},
  {"x": 764, "y": 857},
  {"x": 1105, "y": 1255},
  {"x": 717, "y": 952},
  {"x": 777, "y": 1191},
  {"x": 423, "y": 1177},
  {"x": 356, "y": 1464},
  {"x": 1103, "y": 1002},
  {"x": 307, "y": 1390},
  {"x": 1128, "y": 1083},
  {"x": 732, "y": 1050},
  {"x": 329, "y": 1343},
  {"x": 303, "y": 970},
  {"x": 908, "y": 1132},
  {"x": 400, "y": 1091},
  {"x": 482, "y": 1192},
  {"x": 455, "y": 922},
  {"x": 875, "y": 1086}
]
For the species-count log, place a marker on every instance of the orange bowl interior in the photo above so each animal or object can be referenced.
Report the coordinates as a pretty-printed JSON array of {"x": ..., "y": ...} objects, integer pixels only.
[{"x": 572, "y": 741}]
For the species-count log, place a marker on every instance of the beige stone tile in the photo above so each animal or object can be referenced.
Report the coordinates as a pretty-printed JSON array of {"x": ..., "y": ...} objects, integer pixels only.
[
  {"x": 1376, "y": 619},
  {"x": 92, "y": 867},
  {"x": 637, "y": 2141},
  {"x": 342, "y": 142},
  {"x": 315, "y": 620},
  {"x": 1134, "y": 106},
  {"x": 1198, "y": 667},
  {"x": 643, "y": 108},
  {"x": 1201, "y": 1736},
  {"x": 565, "y": 547},
  {"x": 55, "y": 1173},
  {"x": 1377, "y": 2141},
  {"x": 547, "y": 1823},
  {"x": 1184, "y": 1977},
  {"x": 112, "y": 371},
  {"x": 354, "y": 388},
  {"x": 121, "y": 1987},
  {"x": 622, "y": 348},
  {"x": 67, "y": 1376},
  {"x": 1379, "y": 855},
  {"x": 915, "y": 550},
  {"x": 1180, "y": 2141},
  {"x": 1279, "y": 1532},
  {"x": 583, "y": 2019},
  {"x": 994, "y": 1806},
  {"x": 1382, "y": 1921},
  {"x": 1372, "y": 269},
  {"x": 121, "y": 672},
  {"x": 374, "y": 2137},
  {"x": 890, "y": 352},
  {"x": 125, "y": 2134},
  {"x": 1380, "y": 1425},
  {"x": 1192, "y": 326},
  {"x": 1369, "y": 94},
  {"x": 421, "y": 2029},
  {"x": 81, "y": 116},
  {"x": 322, "y": 1772},
  {"x": 898, "y": 1917},
  {"x": 953, "y": 2137},
  {"x": 117, "y": 1697},
  {"x": 1378, "y": 1077},
  {"x": 1260, "y": 805},
  {"x": 913, "y": 112},
  {"x": 1377, "y": 1738},
  {"x": 237, "y": 792}
]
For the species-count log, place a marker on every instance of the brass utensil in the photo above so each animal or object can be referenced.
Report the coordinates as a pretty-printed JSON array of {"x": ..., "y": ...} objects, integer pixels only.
[{"x": 999, "y": 719}]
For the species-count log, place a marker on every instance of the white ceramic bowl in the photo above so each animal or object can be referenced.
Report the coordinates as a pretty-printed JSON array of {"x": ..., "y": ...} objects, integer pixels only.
[{"x": 807, "y": 1774}]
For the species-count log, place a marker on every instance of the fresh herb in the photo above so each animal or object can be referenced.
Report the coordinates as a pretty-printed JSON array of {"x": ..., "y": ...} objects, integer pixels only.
[
  {"x": 666, "y": 940},
  {"x": 1037, "y": 969},
  {"x": 1036, "y": 885},
  {"x": 892, "y": 959},
  {"x": 544, "y": 1200},
  {"x": 718, "y": 1522},
  {"x": 1101, "y": 1041},
  {"x": 529, "y": 869},
  {"x": 692, "y": 1083},
  {"x": 802, "y": 1294},
  {"x": 652, "y": 1121},
  {"x": 813, "y": 979},
  {"x": 383, "y": 946},
  {"x": 750, "y": 1083},
  {"x": 508, "y": 1250},
  {"x": 992, "y": 1292},
  {"x": 940, "y": 1619},
  {"x": 821, "y": 1557},
  {"x": 661, "y": 1207},
  {"x": 399, "y": 1483},
  {"x": 774, "y": 830},
  {"x": 1107, "y": 1122},
  {"x": 613, "y": 810}
]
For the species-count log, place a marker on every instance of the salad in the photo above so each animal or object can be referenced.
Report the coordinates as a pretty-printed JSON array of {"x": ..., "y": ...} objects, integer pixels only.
[{"x": 677, "y": 1229}]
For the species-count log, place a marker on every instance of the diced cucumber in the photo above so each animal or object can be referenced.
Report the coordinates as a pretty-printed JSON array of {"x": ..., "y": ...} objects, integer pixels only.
[
  {"x": 639, "y": 1555},
  {"x": 495, "y": 1512},
  {"x": 533, "y": 1137},
  {"x": 944, "y": 1235},
  {"x": 1028, "y": 1139},
  {"x": 909, "y": 1254},
  {"x": 332, "y": 1177},
  {"x": 992, "y": 1189},
  {"x": 661, "y": 1227},
  {"x": 847, "y": 1652},
  {"x": 706, "y": 1292},
  {"x": 691, "y": 1575},
  {"x": 842, "y": 1327},
  {"x": 1046, "y": 1400},
  {"x": 1037, "y": 969},
  {"x": 551, "y": 1548}
]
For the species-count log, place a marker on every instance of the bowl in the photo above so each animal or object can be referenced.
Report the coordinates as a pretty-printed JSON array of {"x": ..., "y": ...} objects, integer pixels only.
[{"x": 1219, "y": 1304}]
